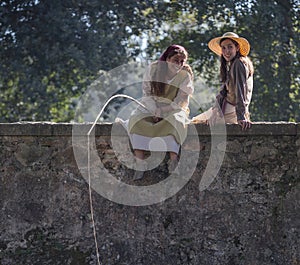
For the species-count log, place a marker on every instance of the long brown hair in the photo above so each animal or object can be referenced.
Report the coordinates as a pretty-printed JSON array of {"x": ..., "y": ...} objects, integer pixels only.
[{"x": 244, "y": 59}]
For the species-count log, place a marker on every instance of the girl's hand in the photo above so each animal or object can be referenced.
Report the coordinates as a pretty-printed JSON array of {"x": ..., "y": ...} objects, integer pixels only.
[
  {"x": 244, "y": 124},
  {"x": 157, "y": 112},
  {"x": 157, "y": 115}
]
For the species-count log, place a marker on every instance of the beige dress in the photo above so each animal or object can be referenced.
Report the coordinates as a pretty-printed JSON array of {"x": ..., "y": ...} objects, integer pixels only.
[{"x": 170, "y": 132}]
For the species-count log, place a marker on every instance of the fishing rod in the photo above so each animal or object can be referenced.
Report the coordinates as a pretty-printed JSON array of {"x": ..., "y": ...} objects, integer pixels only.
[
  {"x": 89, "y": 171},
  {"x": 107, "y": 102}
]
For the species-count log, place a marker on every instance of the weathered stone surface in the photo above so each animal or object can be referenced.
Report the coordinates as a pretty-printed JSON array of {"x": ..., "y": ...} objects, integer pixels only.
[{"x": 248, "y": 215}]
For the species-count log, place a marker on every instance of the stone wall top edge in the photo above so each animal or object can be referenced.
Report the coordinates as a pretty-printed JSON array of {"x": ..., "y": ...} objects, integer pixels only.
[{"x": 104, "y": 129}]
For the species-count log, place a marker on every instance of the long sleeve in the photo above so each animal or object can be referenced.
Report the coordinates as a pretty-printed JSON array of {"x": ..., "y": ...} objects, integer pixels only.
[
  {"x": 146, "y": 82},
  {"x": 239, "y": 75},
  {"x": 186, "y": 89}
]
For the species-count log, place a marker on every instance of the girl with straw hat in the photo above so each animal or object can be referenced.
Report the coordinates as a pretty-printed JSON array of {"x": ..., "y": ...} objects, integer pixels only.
[{"x": 236, "y": 74}]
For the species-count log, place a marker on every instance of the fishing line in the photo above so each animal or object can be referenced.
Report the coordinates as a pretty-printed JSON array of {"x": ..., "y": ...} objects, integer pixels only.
[{"x": 89, "y": 171}]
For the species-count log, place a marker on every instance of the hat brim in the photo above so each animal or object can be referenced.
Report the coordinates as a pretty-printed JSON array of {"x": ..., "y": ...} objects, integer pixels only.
[{"x": 214, "y": 45}]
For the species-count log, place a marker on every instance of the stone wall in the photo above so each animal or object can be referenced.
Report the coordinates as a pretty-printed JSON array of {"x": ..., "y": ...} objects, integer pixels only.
[{"x": 248, "y": 215}]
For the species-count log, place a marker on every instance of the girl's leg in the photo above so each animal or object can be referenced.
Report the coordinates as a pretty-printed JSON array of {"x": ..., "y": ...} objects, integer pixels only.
[
  {"x": 141, "y": 165},
  {"x": 139, "y": 153},
  {"x": 173, "y": 156},
  {"x": 173, "y": 163}
]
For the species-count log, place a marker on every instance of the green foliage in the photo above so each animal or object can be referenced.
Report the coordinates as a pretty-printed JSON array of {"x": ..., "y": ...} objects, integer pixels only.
[{"x": 52, "y": 50}]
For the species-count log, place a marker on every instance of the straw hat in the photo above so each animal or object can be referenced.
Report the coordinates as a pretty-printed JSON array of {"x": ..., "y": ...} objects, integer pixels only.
[{"x": 214, "y": 44}]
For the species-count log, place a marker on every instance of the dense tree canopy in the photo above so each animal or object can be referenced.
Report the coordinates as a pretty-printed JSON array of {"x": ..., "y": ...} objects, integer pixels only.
[{"x": 52, "y": 50}]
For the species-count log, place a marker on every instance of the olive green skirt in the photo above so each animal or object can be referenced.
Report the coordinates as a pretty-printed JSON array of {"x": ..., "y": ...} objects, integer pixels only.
[{"x": 174, "y": 123}]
